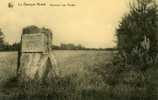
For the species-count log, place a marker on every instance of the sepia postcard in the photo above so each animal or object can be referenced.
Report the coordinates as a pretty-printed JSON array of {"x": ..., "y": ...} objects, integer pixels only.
[{"x": 78, "y": 49}]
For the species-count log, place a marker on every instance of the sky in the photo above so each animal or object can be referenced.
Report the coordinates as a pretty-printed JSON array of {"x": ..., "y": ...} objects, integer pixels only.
[{"x": 91, "y": 23}]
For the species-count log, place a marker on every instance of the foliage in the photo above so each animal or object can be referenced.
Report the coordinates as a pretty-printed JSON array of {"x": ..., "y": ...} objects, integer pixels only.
[
  {"x": 1, "y": 40},
  {"x": 4, "y": 46},
  {"x": 69, "y": 46},
  {"x": 127, "y": 82},
  {"x": 128, "y": 76},
  {"x": 136, "y": 26},
  {"x": 1, "y": 37},
  {"x": 10, "y": 47}
]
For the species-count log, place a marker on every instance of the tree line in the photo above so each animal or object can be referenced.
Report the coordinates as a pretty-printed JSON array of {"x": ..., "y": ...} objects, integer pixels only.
[
  {"x": 63, "y": 46},
  {"x": 4, "y": 46}
]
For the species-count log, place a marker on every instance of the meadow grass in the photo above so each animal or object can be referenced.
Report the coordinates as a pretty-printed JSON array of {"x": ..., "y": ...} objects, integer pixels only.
[
  {"x": 84, "y": 75},
  {"x": 76, "y": 80}
]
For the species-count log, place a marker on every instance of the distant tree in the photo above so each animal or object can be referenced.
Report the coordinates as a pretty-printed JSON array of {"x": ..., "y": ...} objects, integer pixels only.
[
  {"x": 71, "y": 46},
  {"x": 15, "y": 46},
  {"x": 1, "y": 40},
  {"x": 79, "y": 46},
  {"x": 56, "y": 47},
  {"x": 1, "y": 37},
  {"x": 137, "y": 32}
]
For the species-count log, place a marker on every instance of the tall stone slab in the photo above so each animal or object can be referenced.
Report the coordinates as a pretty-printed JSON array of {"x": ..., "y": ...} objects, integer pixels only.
[{"x": 36, "y": 62}]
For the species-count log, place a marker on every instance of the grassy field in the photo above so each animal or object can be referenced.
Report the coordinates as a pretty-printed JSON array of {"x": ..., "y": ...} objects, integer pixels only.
[
  {"x": 8, "y": 66},
  {"x": 74, "y": 66},
  {"x": 69, "y": 62},
  {"x": 79, "y": 77}
]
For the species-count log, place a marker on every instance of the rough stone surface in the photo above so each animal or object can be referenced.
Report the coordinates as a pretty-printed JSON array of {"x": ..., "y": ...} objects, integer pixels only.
[
  {"x": 37, "y": 66},
  {"x": 36, "y": 62}
]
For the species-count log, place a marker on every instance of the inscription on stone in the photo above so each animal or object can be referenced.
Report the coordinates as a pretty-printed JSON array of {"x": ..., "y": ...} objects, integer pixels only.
[{"x": 33, "y": 43}]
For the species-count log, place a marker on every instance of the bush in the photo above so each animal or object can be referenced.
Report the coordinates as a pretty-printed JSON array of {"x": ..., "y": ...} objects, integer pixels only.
[
  {"x": 137, "y": 32},
  {"x": 127, "y": 82}
]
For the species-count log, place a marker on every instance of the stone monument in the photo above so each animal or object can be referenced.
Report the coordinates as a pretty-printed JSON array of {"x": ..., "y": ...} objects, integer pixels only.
[{"x": 36, "y": 61}]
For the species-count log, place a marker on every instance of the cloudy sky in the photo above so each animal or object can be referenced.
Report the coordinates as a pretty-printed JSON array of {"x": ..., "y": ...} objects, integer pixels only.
[{"x": 91, "y": 23}]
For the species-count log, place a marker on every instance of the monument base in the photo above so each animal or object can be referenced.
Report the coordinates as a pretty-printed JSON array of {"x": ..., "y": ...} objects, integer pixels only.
[{"x": 37, "y": 67}]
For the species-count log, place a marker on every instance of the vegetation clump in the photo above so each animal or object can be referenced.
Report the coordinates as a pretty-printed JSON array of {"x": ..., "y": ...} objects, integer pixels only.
[{"x": 132, "y": 73}]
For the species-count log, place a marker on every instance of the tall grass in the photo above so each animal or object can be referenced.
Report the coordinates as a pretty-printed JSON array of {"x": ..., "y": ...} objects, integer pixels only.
[{"x": 96, "y": 77}]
